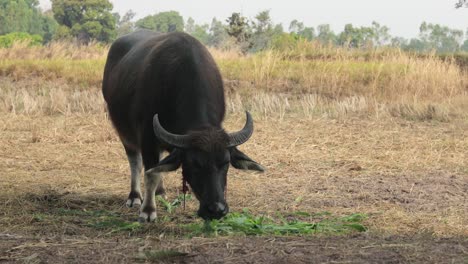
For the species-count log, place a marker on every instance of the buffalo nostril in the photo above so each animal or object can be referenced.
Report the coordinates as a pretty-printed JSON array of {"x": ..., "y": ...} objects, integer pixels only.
[{"x": 216, "y": 208}]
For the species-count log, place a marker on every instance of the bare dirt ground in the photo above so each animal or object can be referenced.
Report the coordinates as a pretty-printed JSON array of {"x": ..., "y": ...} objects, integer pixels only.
[{"x": 60, "y": 174}]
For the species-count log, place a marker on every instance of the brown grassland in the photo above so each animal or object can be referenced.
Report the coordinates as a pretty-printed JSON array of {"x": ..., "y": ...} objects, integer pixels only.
[{"x": 380, "y": 133}]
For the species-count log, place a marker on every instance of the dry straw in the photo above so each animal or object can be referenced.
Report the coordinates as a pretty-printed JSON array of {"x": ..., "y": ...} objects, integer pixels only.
[{"x": 327, "y": 128}]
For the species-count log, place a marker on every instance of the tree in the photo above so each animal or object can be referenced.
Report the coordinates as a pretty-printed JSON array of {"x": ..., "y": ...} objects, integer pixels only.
[
  {"x": 85, "y": 19},
  {"x": 262, "y": 31},
  {"x": 263, "y": 22},
  {"x": 238, "y": 28},
  {"x": 325, "y": 34},
  {"x": 125, "y": 24},
  {"x": 200, "y": 32},
  {"x": 17, "y": 16},
  {"x": 217, "y": 33},
  {"x": 190, "y": 25},
  {"x": 49, "y": 26},
  {"x": 440, "y": 38},
  {"x": 464, "y": 47},
  {"x": 356, "y": 37},
  {"x": 416, "y": 45},
  {"x": 284, "y": 41},
  {"x": 398, "y": 42},
  {"x": 297, "y": 28},
  {"x": 278, "y": 30},
  {"x": 381, "y": 35},
  {"x": 307, "y": 33},
  {"x": 162, "y": 22},
  {"x": 25, "y": 16}
]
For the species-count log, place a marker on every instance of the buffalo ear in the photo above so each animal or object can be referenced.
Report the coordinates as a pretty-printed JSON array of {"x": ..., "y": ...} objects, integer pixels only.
[
  {"x": 242, "y": 162},
  {"x": 170, "y": 163}
]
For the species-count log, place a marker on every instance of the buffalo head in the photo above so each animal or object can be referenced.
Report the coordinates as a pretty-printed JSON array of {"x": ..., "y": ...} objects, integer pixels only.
[{"x": 205, "y": 156}]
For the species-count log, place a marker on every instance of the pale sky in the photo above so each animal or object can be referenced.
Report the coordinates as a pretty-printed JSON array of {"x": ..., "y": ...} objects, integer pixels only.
[{"x": 403, "y": 17}]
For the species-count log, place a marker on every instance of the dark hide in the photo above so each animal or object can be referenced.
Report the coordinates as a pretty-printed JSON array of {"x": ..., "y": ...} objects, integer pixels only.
[{"x": 172, "y": 75}]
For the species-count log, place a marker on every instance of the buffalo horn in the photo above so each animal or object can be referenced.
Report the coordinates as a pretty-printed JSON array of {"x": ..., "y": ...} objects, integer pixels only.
[
  {"x": 240, "y": 137},
  {"x": 178, "y": 141}
]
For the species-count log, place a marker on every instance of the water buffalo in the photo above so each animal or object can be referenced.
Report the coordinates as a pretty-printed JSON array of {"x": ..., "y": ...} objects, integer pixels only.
[{"x": 165, "y": 92}]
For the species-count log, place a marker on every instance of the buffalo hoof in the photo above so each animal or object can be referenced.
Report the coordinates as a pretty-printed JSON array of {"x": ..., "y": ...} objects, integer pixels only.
[
  {"x": 133, "y": 202},
  {"x": 147, "y": 217},
  {"x": 134, "y": 199}
]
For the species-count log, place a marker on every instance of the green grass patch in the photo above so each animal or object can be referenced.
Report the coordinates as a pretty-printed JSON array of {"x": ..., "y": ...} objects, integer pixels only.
[
  {"x": 295, "y": 224},
  {"x": 115, "y": 225},
  {"x": 171, "y": 206},
  {"x": 100, "y": 219}
]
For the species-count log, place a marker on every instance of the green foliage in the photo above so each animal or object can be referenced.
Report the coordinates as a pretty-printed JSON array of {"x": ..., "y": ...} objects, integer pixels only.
[
  {"x": 264, "y": 32},
  {"x": 380, "y": 34},
  {"x": 217, "y": 33},
  {"x": 248, "y": 224},
  {"x": 162, "y": 22},
  {"x": 100, "y": 219},
  {"x": 298, "y": 28},
  {"x": 85, "y": 20},
  {"x": 284, "y": 41},
  {"x": 171, "y": 206},
  {"x": 18, "y": 16},
  {"x": 436, "y": 37},
  {"x": 464, "y": 47},
  {"x": 198, "y": 31},
  {"x": 63, "y": 32},
  {"x": 355, "y": 37},
  {"x": 261, "y": 34},
  {"x": 238, "y": 27},
  {"x": 325, "y": 35},
  {"x": 6, "y": 41},
  {"x": 190, "y": 25},
  {"x": 49, "y": 26},
  {"x": 440, "y": 38},
  {"x": 362, "y": 37},
  {"x": 201, "y": 33},
  {"x": 25, "y": 16},
  {"x": 125, "y": 24}
]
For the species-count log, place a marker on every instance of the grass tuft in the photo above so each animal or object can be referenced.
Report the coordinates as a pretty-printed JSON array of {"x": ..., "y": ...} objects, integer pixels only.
[
  {"x": 247, "y": 224},
  {"x": 171, "y": 206}
]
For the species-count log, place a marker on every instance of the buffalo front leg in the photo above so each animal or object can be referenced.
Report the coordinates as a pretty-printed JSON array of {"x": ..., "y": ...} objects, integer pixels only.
[
  {"x": 148, "y": 210},
  {"x": 135, "y": 162}
]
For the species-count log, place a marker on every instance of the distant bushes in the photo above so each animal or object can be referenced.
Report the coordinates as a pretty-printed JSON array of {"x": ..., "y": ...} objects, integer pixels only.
[
  {"x": 6, "y": 41},
  {"x": 284, "y": 42},
  {"x": 461, "y": 59}
]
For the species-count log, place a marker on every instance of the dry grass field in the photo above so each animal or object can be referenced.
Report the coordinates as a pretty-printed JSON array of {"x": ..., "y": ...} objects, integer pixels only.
[{"x": 383, "y": 135}]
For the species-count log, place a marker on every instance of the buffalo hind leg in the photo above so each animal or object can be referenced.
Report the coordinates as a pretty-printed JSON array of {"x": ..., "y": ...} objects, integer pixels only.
[
  {"x": 160, "y": 189},
  {"x": 135, "y": 162}
]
